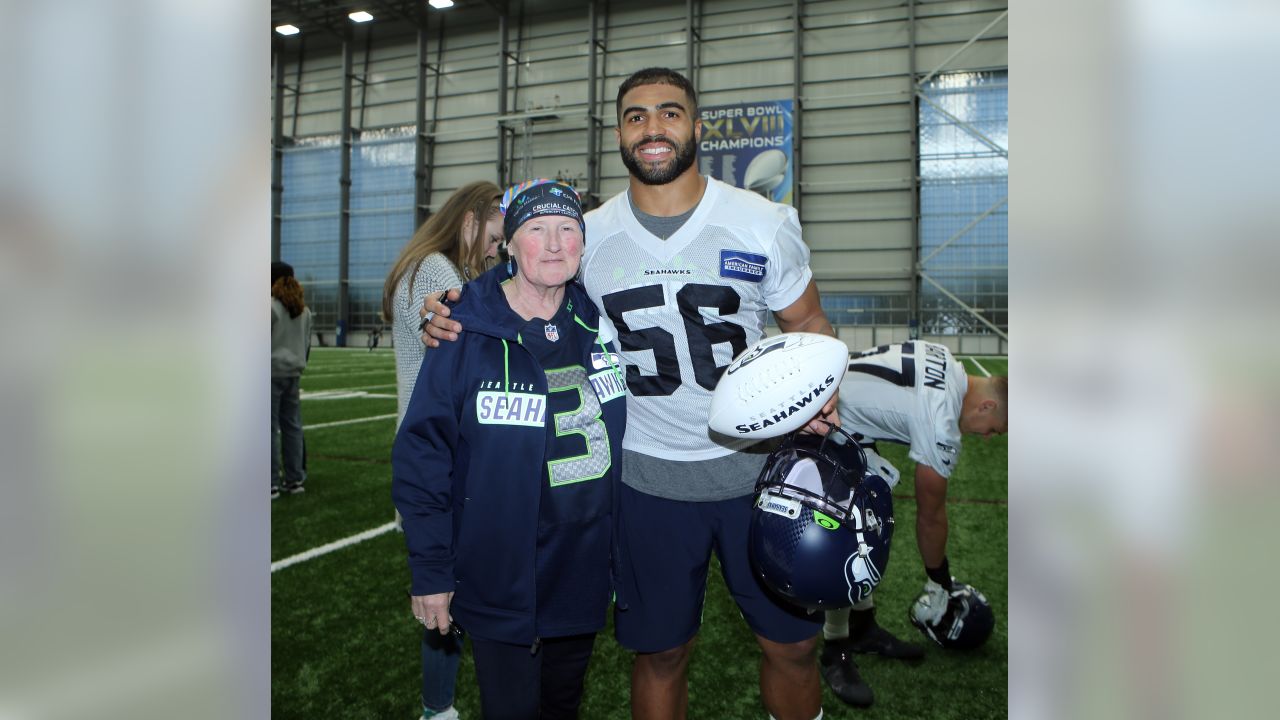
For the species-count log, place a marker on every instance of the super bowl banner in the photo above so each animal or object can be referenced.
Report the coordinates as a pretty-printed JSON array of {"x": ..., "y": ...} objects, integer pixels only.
[{"x": 749, "y": 145}]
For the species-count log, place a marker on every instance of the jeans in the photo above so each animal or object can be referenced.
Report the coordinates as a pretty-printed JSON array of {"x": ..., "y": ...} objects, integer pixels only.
[
  {"x": 440, "y": 657},
  {"x": 286, "y": 432}
]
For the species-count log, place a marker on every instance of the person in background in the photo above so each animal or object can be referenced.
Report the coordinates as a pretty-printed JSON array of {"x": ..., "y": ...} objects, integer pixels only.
[
  {"x": 290, "y": 345},
  {"x": 914, "y": 394},
  {"x": 506, "y": 467},
  {"x": 454, "y": 245}
]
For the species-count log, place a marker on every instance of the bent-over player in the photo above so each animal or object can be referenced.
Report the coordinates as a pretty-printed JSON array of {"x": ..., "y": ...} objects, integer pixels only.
[{"x": 916, "y": 394}]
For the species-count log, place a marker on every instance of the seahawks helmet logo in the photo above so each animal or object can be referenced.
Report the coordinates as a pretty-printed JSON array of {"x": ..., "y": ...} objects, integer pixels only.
[{"x": 860, "y": 574}]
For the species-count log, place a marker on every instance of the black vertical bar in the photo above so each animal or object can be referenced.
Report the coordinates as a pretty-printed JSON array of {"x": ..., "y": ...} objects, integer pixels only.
[
  {"x": 797, "y": 105},
  {"x": 297, "y": 85},
  {"x": 435, "y": 113},
  {"x": 344, "y": 202},
  {"x": 502, "y": 98},
  {"x": 420, "y": 199},
  {"x": 367, "y": 28},
  {"x": 593, "y": 113},
  {"x": 277, "y": 153},
  {"x": 914, "y": 310},
  {"x": 688, "y": 42}
]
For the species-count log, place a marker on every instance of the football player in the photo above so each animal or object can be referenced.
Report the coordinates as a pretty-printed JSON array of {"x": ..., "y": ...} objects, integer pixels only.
[{"x": 916, "y": 394}]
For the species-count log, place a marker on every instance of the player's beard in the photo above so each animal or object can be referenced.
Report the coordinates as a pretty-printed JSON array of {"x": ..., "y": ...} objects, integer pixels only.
[{"x": 649, "y": 174}]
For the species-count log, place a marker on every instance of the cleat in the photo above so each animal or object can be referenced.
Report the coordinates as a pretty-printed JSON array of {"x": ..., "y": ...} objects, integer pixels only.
[
  {"x": 294, "y": 488},
  {"x": 275, "y": 491},
  {"x": 871, "y": 639},
  {"x": 841, "y": 674}
]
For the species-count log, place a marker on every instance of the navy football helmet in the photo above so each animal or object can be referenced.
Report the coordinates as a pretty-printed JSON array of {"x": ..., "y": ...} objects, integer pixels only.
[
  {"x": 822, "y": 522},
  {"x": 960, "y": 619}
]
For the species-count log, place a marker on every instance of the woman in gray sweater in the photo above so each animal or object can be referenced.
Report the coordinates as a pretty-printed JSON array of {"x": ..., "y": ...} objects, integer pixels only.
[{"x": 290, "y": 343}]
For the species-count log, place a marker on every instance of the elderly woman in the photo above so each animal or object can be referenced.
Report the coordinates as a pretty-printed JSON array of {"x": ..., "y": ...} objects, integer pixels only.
[{"x": 506, "y": 466}]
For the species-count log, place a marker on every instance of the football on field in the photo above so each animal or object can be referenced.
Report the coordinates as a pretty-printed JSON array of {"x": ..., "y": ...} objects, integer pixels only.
[{"x": 777, "y": 385}]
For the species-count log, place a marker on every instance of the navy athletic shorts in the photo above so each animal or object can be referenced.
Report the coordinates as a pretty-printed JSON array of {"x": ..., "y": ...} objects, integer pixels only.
[{"x": 666, "y": 549}]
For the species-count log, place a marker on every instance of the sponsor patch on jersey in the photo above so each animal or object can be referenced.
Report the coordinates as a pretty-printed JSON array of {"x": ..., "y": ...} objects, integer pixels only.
[
  {"x": 603, "y": 360},
  {"x": 494, "y": 407},
  {"x": 608, "y": 384},
  {"x": 738, "y": 265}
]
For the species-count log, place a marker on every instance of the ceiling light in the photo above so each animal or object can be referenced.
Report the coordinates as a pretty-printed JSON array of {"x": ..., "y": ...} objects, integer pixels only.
[
  {"x": 360, "y": 16},
  {"x": 440, "y": 4},
  {"x": 287, "y": 30}
]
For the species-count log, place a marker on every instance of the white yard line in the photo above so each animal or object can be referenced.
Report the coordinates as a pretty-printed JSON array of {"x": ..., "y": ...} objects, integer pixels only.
[
  {"x": 348, "y": 422},
  {"x": 348, "y": 372},
  {"x": 335, "y": 545},
  {"x": 984, "y": 370},
  {"x": 343, "y": 395}
]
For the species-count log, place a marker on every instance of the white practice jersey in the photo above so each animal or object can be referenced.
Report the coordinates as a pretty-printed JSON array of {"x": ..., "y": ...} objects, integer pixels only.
[
  {"x": 909, "y": 393},
  {"x": 683, "y": 307}
]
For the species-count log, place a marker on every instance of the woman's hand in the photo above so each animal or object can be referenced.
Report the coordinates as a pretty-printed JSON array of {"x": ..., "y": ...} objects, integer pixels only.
[{"x": 433, "y": 611}]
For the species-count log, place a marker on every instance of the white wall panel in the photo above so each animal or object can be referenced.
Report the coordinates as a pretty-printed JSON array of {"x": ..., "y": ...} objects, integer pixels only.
[
  {"x": 846, "y": 235},
  {"x": 844, "y": 177},
  {"x": 857, "y": 120},
  {"x": 858, "y": 148},
  {"x": 384, "y": 115},
  {"x": 980, "y": 55},
  {"x": 866, "y": 206}
]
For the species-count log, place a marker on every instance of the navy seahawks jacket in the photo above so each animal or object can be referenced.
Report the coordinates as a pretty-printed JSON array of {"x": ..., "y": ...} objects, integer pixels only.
[{"x": 471, "y": 460}]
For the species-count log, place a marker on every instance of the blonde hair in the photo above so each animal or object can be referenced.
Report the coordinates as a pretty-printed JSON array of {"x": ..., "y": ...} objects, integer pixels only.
[
  {"x": 441, "y": 233},
  {"x": 289, "y": 292}
]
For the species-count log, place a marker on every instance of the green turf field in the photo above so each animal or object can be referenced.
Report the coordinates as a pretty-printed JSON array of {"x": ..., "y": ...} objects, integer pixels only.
[{"x": 344, "y": 644}]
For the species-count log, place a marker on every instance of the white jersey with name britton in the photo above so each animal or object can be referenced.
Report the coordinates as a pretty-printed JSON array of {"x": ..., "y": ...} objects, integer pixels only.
[
  {"x": 909, "y": 393},
  {"x": 683, "y": 307}
]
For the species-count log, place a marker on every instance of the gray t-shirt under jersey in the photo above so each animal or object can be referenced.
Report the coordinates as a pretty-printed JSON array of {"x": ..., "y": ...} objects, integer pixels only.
[
  {"x": 731, "y": 476},
  {"x": 661, "y": 227}
]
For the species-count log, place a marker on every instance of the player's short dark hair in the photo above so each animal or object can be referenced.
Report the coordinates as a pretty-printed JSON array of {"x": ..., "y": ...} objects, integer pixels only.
[
  {"x": 658, "y": 76},
  {"x": 1000, "y": 388}
]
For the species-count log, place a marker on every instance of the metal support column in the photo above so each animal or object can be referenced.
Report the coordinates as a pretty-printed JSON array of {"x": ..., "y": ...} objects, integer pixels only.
[
  {"x": 435, "y": 121},
  {"x": 689, "y": 42},
  {"x": 277, "y": 155},
  {"x": 913, "y": 310},
  {"x": 420, "y": 196},
  {"x": 367, "y": 29},
  {"x": 297, "y": 85},
  {"x": 797, "y": 104},
  {"x": 344, "y": 202},
  {"x": 502, "y": 98},
  {"x": 594, "y": 120}
]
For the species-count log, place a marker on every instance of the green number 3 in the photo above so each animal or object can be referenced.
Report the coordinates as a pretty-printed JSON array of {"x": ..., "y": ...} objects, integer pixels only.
[{"x": 583, "y": 420}]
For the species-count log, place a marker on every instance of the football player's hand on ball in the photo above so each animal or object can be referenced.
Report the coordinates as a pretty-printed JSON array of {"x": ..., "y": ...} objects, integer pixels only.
[{"x": 959, "y": 619}]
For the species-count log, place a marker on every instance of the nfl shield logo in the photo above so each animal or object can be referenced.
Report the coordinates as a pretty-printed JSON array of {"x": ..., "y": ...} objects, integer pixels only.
[{"x": 553, "y": 333}]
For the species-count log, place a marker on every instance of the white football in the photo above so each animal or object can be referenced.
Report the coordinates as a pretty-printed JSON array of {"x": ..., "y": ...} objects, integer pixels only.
[
  {"x": 766, "y": 171},
  {"x": 777, "y": 385}
]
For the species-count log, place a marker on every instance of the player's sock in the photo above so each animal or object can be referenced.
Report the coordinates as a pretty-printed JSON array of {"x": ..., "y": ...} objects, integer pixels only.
[{"x": 837, "y": 625}]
